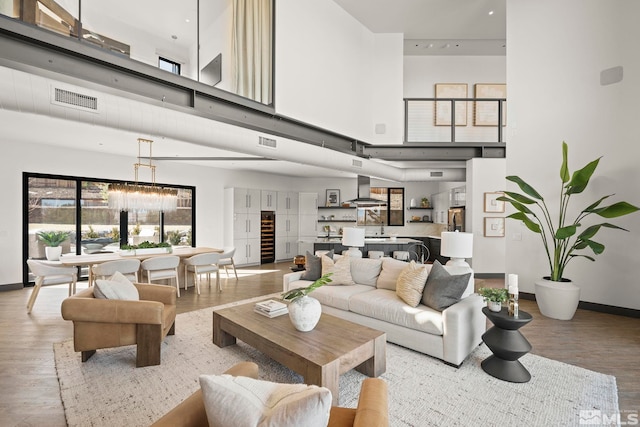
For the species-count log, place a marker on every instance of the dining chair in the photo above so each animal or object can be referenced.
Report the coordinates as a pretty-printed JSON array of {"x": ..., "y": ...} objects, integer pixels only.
[
  {"x": 128, "y": 267},
  {"x": 48, "y": 274},
  {"x": 201, "y": 264},
  {"x": 162, "y": 267},
  {"x": 226, "y": 259}
]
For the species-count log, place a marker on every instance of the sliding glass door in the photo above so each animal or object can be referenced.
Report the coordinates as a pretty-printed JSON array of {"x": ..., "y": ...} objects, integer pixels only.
[{"x": 79, "y": 208}]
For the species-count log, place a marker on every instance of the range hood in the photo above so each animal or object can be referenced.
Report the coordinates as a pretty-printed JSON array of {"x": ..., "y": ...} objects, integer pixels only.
[{"x": 364, "y": 194}]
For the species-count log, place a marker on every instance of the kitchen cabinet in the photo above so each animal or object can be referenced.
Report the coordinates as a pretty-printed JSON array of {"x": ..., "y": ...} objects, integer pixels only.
[
  {"x": 287, "y": 202},
  {"x": 307, "y": 221},
  {"x": 242, "y": 224},
  {"x": 287, "y": 230},
  {"x": 268, "y": 200}
]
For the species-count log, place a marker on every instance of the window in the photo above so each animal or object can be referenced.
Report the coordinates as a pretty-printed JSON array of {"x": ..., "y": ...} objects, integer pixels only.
[
  {"x": 393, "y": 213},
  {"x": 168, "y": 65}
]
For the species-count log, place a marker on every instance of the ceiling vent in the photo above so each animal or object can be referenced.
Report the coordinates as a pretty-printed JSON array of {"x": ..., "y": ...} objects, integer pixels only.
[
  {"x": 356, "y": 163},
  {"x": 436, "y": 174},
  {"x": 267, "y": 142},
  {"x": 78, "y": 101}
]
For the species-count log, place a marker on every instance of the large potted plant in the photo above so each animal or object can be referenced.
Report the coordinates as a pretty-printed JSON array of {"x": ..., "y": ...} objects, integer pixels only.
[
  {"x": 563, "y": 238},
  {"x": 52, "y": 241}
]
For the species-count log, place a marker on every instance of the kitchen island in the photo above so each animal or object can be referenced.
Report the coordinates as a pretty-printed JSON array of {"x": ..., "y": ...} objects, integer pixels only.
[{"x": 383, "y": 244}]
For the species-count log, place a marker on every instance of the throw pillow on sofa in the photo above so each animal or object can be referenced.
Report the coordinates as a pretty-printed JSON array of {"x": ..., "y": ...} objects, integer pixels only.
[
  {"x": 117, "y": 287},
  {"x": 341, "y": 269},
  {"x": 242, "y": 401},
  {"x": 391, "y": 269},
  {"x": 411, "y": 282},
  {"x": 313, "y": 266},
  {"x": 365, "y": 271},
  {"x": 443, "y": 289}
]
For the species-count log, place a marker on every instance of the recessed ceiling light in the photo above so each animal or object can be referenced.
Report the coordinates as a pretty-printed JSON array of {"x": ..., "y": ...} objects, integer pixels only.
[
  {"x": 187, "y": 20},
  {"x": 491, "y": 12},
  {"x": 174, "y": 37}
]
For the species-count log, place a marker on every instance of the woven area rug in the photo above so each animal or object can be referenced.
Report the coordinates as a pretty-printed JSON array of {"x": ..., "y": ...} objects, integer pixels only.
[{"x": 108, "y": 390}]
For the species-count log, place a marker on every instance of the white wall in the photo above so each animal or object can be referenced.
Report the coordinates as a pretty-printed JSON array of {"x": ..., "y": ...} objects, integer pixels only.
[
  {"x": 328, "y": 67},
  {"x": 484, "y": 175},
  {"x": 555, "y": 54}
]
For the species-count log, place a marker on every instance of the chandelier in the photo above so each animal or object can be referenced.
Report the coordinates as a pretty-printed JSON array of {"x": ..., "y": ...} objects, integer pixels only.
[{"x": 142, "y": 197}]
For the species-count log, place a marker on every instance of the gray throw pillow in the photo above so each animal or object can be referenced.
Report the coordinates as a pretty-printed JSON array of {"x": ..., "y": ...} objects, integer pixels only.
[
  {"x": 443, "y": 289},
  {"x": 313, "y": 266}
]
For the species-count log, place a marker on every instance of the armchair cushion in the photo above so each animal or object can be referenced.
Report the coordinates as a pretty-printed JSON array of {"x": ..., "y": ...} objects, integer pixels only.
[
  {"x": 117, "y": 287},
  {"x": 263, "y": 402},
  {"x": 442, "y": 289},
  {"x": 411, "y": 283},
  {"x": 341, "y": 269}
]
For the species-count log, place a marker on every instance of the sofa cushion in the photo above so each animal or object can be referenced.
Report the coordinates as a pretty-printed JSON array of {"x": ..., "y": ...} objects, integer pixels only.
[
  {"x": 384, "y": 304},
  {"x": 313, "y": 266},
  {"x": 410, "y": 283},
  {"x": 338, "y": 296},
  {"x": 365, "y": 271},
  {"x": 442, "y": 288},
  {"x": 117, "y": 287},
  {"x": 243, "y": 401},
  {"x": 341, "y": 269},
  {"x": 391, "y": 269}
]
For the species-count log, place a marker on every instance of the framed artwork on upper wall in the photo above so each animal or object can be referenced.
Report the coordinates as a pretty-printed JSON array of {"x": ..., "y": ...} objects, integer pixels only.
[
  {"x": 491, "y": 202},
  {"x": 333, "y": 197},
  {"x": 486, "y": 112},
  {"x": 443, "y": 108}
]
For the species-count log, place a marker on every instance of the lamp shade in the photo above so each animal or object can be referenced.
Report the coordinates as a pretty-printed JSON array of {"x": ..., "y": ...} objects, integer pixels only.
[
  {"x": 352, "y": 236},
  {"x": 455, "y": 244}
]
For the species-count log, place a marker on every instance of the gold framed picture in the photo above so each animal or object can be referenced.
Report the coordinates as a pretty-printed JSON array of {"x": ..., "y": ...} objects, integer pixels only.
[
  {"x": 486, "y": 112},
  {"x": 491, "y": 202},
  {"x": 493, "y": 227},
  {"x": 443, "y": 108}
]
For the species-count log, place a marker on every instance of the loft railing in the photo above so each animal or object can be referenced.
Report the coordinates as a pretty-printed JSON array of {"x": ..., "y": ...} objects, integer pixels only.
[{"x": 454, "y": 120}]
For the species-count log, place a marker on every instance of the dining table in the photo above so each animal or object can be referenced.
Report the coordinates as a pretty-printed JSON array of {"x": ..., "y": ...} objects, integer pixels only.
[{"x": 87, "y": 260}]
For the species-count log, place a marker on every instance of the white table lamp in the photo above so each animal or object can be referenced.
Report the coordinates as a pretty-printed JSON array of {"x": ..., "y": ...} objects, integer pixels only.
[
  {"x": 457, "y": 246},
  {"x": 354, "y": 238}
]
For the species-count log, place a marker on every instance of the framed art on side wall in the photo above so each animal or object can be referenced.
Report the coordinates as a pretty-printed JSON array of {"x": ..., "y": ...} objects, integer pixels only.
[
  {"x": 443, "y": 108},
  {"x": 491, "y": 202},
  {"x": 493, "y": 227},
  {"x": 486, "y": 112}
]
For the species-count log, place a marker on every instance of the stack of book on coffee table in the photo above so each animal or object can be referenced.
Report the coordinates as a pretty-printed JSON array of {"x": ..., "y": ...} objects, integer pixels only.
[{"x": 271, "y": 308}]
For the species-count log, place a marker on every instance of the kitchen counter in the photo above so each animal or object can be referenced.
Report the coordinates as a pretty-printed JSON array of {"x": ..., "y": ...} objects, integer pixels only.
[{"x": 372, "y": 240}]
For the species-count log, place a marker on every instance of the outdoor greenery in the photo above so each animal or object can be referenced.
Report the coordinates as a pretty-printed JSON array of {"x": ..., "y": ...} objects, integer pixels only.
[
  {"x": 53, "y": 238},
  {"x": 494, "y": 294},
  {"x": 560, "y": 240},
  {"x": 296, "y": 293}
]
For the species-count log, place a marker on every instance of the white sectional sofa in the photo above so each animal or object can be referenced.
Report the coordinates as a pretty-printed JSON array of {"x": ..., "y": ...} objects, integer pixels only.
[{"x": 450, "y": 335}]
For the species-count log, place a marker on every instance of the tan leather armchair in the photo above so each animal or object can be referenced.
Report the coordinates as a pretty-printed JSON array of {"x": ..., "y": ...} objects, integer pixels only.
[
  {"x": 106, "y": 323},
  {"x": 372, "y": 410}
]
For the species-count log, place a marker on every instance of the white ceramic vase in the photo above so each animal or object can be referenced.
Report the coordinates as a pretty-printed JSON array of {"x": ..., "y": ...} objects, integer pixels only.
[
  {"x": 494, "y": 305},
  {"x": 53, "y": 252},
  {"x": 557, "y": 300},
  {"x": 305, "y": 313}
]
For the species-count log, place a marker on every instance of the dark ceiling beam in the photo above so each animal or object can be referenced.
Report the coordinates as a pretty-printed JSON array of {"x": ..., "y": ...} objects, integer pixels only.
[{"x": 443, "y": 151}]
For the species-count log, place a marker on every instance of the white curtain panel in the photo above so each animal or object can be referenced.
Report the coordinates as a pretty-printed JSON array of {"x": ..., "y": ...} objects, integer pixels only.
[{"x": 251, "y": 49}]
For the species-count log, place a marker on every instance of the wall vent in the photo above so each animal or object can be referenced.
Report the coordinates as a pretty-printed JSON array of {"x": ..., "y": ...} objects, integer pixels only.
[
  {"x": 67, "y": 98},
  {"x": 436, "y": 174},
  {"x": 356, "y": 163},
  {"x": 267, "y": 142}
]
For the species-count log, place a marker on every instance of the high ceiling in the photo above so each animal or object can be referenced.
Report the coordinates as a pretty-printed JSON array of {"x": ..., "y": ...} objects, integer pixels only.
[{"x": 430, "y": 27}]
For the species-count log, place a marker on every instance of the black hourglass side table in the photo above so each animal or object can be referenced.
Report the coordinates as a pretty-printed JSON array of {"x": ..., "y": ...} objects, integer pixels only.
[{"x": 507, "y": 344}]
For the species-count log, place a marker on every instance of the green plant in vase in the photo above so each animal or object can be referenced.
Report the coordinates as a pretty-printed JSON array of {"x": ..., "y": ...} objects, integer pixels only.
[
  {"x": 494, "y": 297},
  {"x": 305, "y": 311}
]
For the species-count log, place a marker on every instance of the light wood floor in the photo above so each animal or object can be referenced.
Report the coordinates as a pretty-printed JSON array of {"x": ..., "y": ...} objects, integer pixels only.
[{"x": 29, "y": 395}]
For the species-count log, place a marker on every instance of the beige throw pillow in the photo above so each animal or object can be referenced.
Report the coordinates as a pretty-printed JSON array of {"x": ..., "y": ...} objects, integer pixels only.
[
  {"x": 411, "y": 283},
  {"x": 117, "y": 287},
  {"x": 388, "y": 277},
  {"x": 242, "y": 401},
  {"x": 341, "y": 270}
]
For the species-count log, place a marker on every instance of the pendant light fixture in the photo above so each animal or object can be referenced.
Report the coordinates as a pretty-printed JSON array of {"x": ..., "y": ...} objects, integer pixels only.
[{"x": 142, "y": 197}]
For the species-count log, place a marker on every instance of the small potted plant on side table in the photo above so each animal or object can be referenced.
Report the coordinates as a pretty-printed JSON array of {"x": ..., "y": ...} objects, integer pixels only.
[{"x": 494, "y": 297}]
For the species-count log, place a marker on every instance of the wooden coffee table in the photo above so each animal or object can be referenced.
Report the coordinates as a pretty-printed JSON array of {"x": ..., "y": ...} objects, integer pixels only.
[{"x": 332, "y": 348}]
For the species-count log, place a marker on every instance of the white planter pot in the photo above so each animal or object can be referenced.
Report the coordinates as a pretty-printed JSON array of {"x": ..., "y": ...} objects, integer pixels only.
[
  {"x": 305, "y": 313},
  {"x": 557, "y": 300},
  {"x": 494, "y": 305},
  {"x": 53, "y": 252}
]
